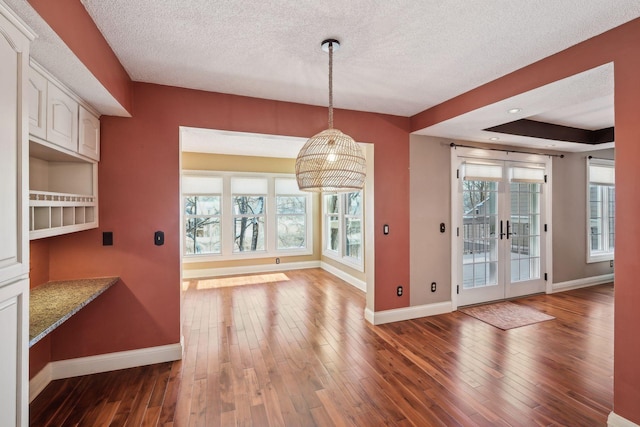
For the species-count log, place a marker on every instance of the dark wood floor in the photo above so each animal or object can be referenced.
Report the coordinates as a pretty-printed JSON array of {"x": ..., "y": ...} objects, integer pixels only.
[{"x": 295, "y": 351}]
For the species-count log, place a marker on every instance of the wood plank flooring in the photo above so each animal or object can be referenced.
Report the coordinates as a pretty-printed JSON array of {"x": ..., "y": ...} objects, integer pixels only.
[{"x": 296, "y": 351}]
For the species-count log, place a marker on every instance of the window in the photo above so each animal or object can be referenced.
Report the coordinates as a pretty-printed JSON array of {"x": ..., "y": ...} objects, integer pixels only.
[
  {"x": 343, "y": 237},
  {"x": 291, "y": 215},
  {"x": 227, "y": 216},
  {"x": 201, "y": 199},
  {"x": 600, "y": 209},
  {"x": 249, "y": 216}
]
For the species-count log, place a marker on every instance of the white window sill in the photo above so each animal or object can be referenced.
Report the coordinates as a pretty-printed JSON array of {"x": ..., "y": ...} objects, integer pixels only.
[
  {"x": 599, "y": 257},
  {"x": 189, "y": 259},
  {"x": 348, "y": 261}
]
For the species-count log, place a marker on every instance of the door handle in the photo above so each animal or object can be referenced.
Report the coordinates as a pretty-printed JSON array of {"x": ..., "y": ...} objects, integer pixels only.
[
  {"x": 508, "y": 231},
  {"x": 501, "y": 232}
]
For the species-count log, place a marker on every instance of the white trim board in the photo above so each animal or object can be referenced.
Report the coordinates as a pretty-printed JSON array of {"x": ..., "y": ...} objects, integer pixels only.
[
  {"x": 203, "y": 273},
  {"x": 582, "y": 283},
  {"x": 353, "y": 281},
  {"x": 407, "y": 313},
  {"x": 102, "y": 363},
  {"x": 616, "y": 420}
]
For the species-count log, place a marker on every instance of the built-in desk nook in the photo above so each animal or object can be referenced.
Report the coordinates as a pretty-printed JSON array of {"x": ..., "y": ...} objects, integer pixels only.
[{"x": 53, "y": 303}]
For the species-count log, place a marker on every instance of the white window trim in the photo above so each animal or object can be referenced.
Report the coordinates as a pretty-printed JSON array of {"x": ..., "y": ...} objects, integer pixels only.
[
  {"x": 595, "y": 256},
  {"x": 226, "y": 219},
  {"x": 356, "y": 264}
]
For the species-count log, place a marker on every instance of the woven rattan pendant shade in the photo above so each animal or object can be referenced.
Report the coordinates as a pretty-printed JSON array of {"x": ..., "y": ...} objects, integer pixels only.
[{"x": 330, "y": 161}]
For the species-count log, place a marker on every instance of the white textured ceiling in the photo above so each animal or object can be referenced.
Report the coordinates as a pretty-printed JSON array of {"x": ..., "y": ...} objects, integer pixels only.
[
  {"x": 397, "y": 56},
  {"x": 584, "y": 100}
]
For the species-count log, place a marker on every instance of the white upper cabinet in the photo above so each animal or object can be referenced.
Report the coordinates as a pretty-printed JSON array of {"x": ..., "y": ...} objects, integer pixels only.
[
  {"x": 62, "y": 118},
  {"x": 88, "y": 134},
  {"x": 37, "y": 96},
  {"x": 58, "y": 118}
]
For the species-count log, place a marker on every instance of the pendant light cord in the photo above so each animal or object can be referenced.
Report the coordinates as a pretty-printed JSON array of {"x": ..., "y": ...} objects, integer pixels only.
[{"x": 330, "y": 85}]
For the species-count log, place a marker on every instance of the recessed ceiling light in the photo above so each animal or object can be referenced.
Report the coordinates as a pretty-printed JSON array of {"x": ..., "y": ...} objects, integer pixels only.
[
  {"x": 494, "y": 138},
  {"x": 514, "y": 110}
]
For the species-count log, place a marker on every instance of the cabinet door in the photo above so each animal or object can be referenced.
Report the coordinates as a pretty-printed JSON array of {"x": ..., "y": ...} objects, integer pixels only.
[
  {"x": 14, "y": 176},
  {"x": 13, "y": 353},
  {"x": 37, "y": 94},
  {"x": 62, "y": 118},
  {"x": 89, "y": 134}
]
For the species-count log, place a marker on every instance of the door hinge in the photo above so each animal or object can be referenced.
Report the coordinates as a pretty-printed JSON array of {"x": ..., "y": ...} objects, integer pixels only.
[
  {"x": 458, "y": 173},
  {"x": 545, "y": 178},
  {"x": 457, "y": 289},
  {"x": 457, "y": 231},
  {"x": 545, "y": 277},
  {"x": 545, "y": 227}
]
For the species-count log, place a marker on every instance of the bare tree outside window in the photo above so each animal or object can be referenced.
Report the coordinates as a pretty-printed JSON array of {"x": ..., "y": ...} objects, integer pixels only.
[
  {"x": 291, "y": 212},
  {"x": 249, "y": 221},
  {"x": 202, "y": 224}
]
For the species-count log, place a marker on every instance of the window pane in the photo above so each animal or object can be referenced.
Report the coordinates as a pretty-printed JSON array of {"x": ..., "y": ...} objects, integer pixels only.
[
  {"x": 354, "y": 237},
  {"x": 249, "y": 234},
  {"x": 248, "y": 205},
  {"x": 292, "y": 232},
  {"x": 331, "y": 203},
  {"x": 354, "y": 203},
  {"x": 202, "y": 236},
  {"x": 333, "y": 238},
  {"x": 291, "y": 204},
  {"x": 202, "y": 205}
]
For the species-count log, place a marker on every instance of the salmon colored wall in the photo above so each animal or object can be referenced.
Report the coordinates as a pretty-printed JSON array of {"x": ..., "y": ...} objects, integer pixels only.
[
  {"x": 622, "y": 46},
  {"x": 38, "y": 262},
  {"x": 138, "y": 194},
  {"x": 70, "y": 20},
  {"x": 39, "y": 356},
  {"x": 627, "y": 263}
]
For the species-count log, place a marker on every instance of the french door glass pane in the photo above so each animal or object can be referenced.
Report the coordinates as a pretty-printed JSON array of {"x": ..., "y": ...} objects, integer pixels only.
[
  {"x": 480, "y": 219},
  {"x": 524, "y": 228}
]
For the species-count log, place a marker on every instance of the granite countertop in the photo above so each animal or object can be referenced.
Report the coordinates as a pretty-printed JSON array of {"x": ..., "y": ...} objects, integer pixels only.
[{"x": 54, "y": 302}]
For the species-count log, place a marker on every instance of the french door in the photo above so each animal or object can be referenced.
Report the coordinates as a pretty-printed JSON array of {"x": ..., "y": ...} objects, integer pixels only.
[{"x": 501, "y": 247}]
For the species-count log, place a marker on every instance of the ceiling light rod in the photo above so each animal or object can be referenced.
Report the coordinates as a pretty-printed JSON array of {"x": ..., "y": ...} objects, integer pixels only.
[
  {"x": 330, "y": 161},
  {"x": 454, "y": 146},
  {"x": 329, "y": 45}
]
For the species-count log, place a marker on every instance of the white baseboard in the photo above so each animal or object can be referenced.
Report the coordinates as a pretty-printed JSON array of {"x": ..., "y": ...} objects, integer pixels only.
[
  {"x": 407, "y": 313},
  {"x": 616, "y": 420},
  {"x": 582, "y": 283},
  {"x": 204, "y": 273},
  {"x": 102, "y": 363},
  {"x": 40, "y": 381},
  {"x": 360, "y": 284}
]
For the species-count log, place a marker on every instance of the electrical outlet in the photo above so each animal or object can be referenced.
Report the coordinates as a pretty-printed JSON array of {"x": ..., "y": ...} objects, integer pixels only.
[
  {"x": 277, "y": 260},
  {"x": 611, "y": 263},
  {"x": 433, "y": 286},
  {"x": 399, "y": 291}
]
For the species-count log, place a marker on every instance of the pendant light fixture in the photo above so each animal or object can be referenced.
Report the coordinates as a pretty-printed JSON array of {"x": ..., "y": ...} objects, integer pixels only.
[{"x": 330, "y": 161}]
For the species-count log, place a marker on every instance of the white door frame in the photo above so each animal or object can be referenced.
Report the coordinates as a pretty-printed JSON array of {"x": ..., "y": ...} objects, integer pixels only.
[{"x": 456, "y": 215}]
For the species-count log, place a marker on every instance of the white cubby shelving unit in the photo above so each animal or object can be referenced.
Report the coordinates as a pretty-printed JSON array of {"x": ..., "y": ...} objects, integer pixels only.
[{"x": 63, "y": 196}]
